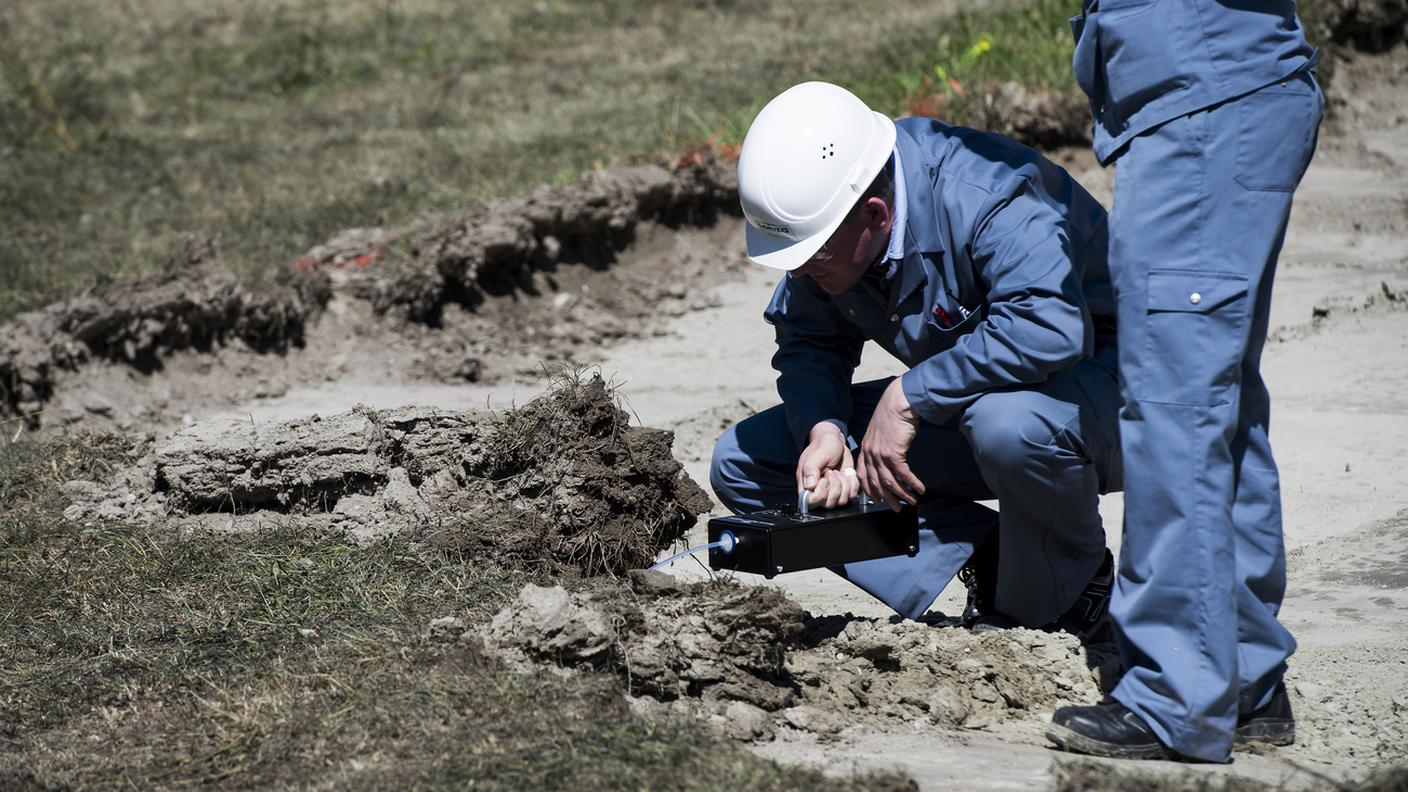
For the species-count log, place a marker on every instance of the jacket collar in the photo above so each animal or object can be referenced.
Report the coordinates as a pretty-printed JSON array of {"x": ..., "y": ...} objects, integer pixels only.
[{"x": 921, "y": 224}]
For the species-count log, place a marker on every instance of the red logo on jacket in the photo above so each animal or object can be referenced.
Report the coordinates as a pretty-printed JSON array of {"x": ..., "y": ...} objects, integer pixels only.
[{"x": 945, "y": 321}]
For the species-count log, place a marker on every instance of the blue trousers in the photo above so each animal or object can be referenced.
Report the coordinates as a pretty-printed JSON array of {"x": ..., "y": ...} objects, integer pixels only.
[
  {"x": 1046, "y": 453},
  {"x": 1200, "y": 212}
]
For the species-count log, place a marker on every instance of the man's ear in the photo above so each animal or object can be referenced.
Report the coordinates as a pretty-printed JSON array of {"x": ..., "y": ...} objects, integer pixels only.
[{"x": 876, "y": 213}]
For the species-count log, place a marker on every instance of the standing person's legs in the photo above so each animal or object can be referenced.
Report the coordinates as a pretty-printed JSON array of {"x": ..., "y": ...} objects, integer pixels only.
[
  {"x": 1200, "y": 210},
  {"x": 1263, "y": 643}
]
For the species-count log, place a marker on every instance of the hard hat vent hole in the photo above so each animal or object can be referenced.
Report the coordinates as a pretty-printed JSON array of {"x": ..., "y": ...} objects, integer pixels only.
[{"x": 829, "y": 150}]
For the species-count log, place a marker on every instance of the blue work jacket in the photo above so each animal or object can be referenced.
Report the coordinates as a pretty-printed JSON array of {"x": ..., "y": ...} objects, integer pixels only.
[
  {"x": 1003, "y": 269},
  {"x": 1145, "y": 62}
]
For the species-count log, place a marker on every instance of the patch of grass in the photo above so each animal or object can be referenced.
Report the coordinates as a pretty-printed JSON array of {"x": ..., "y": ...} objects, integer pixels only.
[
  {"x": 981, "y": 47},
  {"x": 274, "y": 123},
  {"x": 136, "y": 658}
]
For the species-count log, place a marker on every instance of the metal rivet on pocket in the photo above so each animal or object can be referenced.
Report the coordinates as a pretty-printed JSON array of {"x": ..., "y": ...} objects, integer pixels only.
[
  {"x": 851, "y": 311},
  {"x": 1195, "y": 298},
  {"x": 894, "y": 317}
]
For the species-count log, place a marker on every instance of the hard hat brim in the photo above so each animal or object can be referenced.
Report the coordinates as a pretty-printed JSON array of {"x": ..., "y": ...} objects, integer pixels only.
[
  {"x": 788, "y": 254},
  {"x": 784, "y": 254}
]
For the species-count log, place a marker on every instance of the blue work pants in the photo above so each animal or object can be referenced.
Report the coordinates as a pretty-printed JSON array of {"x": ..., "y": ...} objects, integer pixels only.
[
  {"x": 1200, "y": 211},
  {"x": 1045, "y": 452}
]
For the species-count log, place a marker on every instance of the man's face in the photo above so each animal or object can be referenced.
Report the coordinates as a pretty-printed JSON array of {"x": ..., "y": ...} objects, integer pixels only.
[{"x": 841, "y": 262}]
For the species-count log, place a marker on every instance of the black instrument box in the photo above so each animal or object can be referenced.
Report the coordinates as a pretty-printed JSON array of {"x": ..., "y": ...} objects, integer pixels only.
[{"x": 772, "y": 542}]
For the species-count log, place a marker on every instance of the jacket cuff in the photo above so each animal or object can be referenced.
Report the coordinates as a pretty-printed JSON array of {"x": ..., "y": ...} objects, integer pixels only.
[{"x": 924, "y": 406}]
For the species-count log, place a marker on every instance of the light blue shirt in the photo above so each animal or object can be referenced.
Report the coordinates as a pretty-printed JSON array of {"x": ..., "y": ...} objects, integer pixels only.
[{"x": 895, "y": 252}]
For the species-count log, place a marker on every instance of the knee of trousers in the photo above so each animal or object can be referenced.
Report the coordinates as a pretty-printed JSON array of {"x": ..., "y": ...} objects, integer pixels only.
[
  {"x": 1017, "y": 434},
  {"x": 726, "y": 471}
]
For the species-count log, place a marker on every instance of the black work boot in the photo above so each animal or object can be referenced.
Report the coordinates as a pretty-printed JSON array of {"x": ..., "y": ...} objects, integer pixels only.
[
  {"x": 979, "y": 576},
  {"x": 1271, "y": 724},
  {"x": 1087, "y": 616},
  {"x": 1106, "y": 729},
  {"x": 1085, "y": 619}
]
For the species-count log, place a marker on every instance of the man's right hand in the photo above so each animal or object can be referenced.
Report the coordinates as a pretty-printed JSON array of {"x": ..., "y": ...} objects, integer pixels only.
[{"x": 826, "y": 468}]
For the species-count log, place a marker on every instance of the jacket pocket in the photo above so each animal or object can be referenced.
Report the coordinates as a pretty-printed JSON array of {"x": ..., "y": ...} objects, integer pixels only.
[
  {"x": 1085, "y": 60},
  {"x": 948, "y": 316},
  {"x": 1139, "y": 42},
  {"x": 1194, "y": 338}
]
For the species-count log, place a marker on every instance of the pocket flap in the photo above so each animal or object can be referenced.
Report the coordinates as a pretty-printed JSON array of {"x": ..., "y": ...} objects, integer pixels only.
[{"x": 1193, "y": 292}]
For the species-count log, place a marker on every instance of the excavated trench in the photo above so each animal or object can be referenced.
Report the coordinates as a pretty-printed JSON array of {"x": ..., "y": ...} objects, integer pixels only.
[{"x": 473, "y": 297}]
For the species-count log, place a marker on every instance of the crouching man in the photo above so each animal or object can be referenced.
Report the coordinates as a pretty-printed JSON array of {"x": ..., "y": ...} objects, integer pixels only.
[{"x": 980, "y": 265}]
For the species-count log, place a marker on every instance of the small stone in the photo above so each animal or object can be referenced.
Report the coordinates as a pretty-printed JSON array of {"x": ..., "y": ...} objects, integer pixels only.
[
  {"x": 75, "y": 512},
  {"x": 813, "y": 719},
  {"x": 1310, "y": 691},
  {"x": 649, "y": 581},
  {"x": 96, "y": 404},
  {"x": 109, "y": 510},
  {"x": 81, "y": 490},
  {"x": 551, "y": 247},
  {"x": 307, "y": 632},
  {"x": 270, "y": 390},
  {"x": 445, "y": 628},
  {"x": 744, "y": 721}
]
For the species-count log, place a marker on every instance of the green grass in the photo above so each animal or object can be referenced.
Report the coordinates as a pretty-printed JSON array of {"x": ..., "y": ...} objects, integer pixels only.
[
  {"x": 980, "y": 47},
  {"x": 141, "y": 659},
  {"x": 274, "y": 123}
]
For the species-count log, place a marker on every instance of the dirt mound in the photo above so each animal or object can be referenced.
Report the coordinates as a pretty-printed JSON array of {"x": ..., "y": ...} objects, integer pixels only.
[
  {"x": 193, "y": 303},
  {"x": 496, "y": 248},
  {"x": 1369, "y": 25},
  {"x": 1039, "y": 117},
  {"x": 716, "y": 642},
  {"x": 752, "y": 661},
  {"x": 563, "y": 482}
]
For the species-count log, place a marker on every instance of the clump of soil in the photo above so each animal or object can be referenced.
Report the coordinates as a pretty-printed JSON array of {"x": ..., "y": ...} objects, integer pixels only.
[
  {"x": 563, "y": 482},
  {"x": 715, "y": 642},
  {"x": 1039, "y": 117},
  {"x": 193, "y": 303},
  {"x": 753, "y": 662}
]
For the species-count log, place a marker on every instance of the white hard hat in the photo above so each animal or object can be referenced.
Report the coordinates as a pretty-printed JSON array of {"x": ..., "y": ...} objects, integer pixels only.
[{"x": 807, "y": 158}]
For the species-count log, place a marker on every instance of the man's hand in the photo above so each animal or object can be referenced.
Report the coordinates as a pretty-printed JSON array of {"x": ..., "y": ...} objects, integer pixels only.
[
  {"x": 883, "y": 471},
  {"x": 826, "y": 468}
]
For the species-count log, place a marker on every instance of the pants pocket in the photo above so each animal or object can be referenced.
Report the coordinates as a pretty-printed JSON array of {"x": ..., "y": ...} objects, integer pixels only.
[
  {"x": 1277, "y": 128},
  {"x": 1195, "y": 335}
]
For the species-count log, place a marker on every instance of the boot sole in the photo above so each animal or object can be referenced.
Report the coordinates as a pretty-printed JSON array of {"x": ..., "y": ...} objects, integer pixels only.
[
  {"x": 1267, "y": 732},
  {"x": 1075, "y": 742}
]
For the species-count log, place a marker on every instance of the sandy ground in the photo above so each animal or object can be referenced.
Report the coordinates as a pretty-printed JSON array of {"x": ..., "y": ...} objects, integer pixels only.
[{"x": 1337, "y": 366}]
